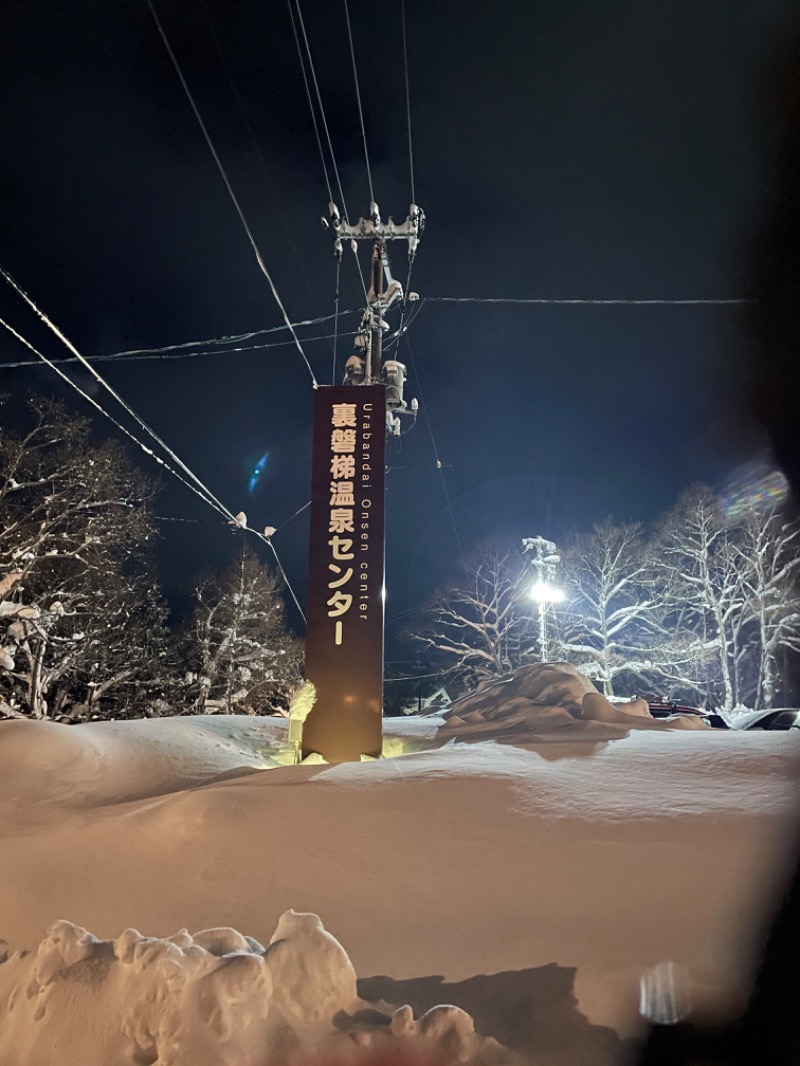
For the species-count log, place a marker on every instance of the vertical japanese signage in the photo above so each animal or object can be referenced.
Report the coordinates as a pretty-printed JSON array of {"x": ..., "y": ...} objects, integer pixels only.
[{"x": 344, "y": 636}]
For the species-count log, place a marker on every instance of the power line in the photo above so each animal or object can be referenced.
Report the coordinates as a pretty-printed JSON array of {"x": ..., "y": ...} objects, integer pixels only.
[
  {"x": 413, "y": 314},
  {"x": 414, "y": 677},
  {"x": 406, "y": 614},
  {"x": 234, "y": 338},
  {"x": 308, "y": 94},
  {"x": 268, "y": 542},
  {"x": 205, "y": 493},
  {"x": 101, "y": 380},
  {"x": 598, "y": 303},
  {"x": 259, "y": 155},
  {"x": 169, "y": 356},
  {"x": 439, "y": 464},
  {"x": 296, "y": 513},
  {"x": 358, "y": 98},
  {"x": 408, "y": 109},
  {"x": 191, "y": 521},
  {"x": 336, "y": 320},
  {"x": 229, "y": 187},
  {"x": 135, "y": 354},
  {"x": 312, "y": 68},
  {"x": 89, "y": 399}
]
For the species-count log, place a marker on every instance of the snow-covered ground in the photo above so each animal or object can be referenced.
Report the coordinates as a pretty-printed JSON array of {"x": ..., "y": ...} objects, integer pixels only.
[{"x": 546, "y": 873}]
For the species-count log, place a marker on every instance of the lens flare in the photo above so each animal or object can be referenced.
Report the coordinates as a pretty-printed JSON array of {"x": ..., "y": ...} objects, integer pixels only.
[
  {"x": 257, "y": 471},
  {"x": 754, "y": 487}
]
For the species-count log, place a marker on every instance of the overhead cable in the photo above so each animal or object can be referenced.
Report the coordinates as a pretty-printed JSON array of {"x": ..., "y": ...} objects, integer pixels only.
[
  {"x": 234, "y": 338},
  {"x": 417, "y": 609},
  {"x": 414, "y": 677},
  {"x": 229, "y": 187},
  {"x": 259, "y": 155},
  {"x": 89, "y": 399},
  {"x": 109, "y": 388},
  {"x": 543, "y": 300},
  {"x": 160, "y": 355},
  {"x": 191, "y": 521},
  {"x": 408, "y": 104},
  {"x": 407, "y": 317},
  {"x": 358, "y": 98},
  {"x": 308, "y": 95},
  {"x": 439, "y": 464},
  {"x": 336, "y": 321},
  {"x": 202, "y": 490},
  {"x": 296, "y": 513},
  {"x": 279, "y": 564},
  {"x": 312, "y": 68}
]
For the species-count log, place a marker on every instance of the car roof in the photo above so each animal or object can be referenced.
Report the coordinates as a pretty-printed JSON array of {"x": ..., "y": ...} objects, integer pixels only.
[{"x": 755, "y": 716}]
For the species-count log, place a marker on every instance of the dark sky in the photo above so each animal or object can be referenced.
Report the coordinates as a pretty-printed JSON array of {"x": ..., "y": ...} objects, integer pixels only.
[{"x": 571, "y": 149}]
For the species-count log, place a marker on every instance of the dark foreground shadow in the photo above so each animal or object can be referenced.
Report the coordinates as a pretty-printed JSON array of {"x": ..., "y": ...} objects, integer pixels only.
[{"x": 534, "y": 1012}]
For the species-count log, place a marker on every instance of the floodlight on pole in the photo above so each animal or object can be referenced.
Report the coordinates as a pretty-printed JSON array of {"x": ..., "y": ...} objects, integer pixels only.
[
  {"x": 545, "y": 592},
  {"x": 544, "y": 558}
]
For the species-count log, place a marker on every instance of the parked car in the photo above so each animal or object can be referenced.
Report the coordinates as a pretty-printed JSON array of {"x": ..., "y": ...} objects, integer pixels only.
[
  {"x": 660, "y": 707},
  {"x": 777, "y": 718}
]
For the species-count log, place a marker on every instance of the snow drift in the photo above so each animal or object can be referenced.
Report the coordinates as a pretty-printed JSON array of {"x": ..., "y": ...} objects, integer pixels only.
[
  {"x": 554, "y": 699},
  {"x": 214, "y": 997},
  {"x": 553, "y": 877}
]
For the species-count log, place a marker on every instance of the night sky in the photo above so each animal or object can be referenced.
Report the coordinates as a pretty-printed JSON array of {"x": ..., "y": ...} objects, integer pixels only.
[{"x": 563, "y": 150}]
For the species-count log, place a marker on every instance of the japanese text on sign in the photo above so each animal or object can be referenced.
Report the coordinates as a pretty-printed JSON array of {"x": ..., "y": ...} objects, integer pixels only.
[{"x": 341, "y": 517}]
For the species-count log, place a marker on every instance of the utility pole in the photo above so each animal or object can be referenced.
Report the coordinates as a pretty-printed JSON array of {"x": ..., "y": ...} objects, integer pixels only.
[
  {"x": 345, "y": 613},
  {"x": 376, "y": 297}
]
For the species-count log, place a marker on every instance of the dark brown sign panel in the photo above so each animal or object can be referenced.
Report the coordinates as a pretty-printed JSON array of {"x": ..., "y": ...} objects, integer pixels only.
[{"x": 344, "y": 634}]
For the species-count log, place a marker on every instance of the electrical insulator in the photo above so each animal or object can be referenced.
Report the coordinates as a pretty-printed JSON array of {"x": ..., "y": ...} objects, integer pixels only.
[{"x": 354, "y": 370}]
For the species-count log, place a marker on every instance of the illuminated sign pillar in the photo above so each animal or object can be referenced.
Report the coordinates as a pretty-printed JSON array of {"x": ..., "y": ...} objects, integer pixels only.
[{"x": 344, "y": 633}]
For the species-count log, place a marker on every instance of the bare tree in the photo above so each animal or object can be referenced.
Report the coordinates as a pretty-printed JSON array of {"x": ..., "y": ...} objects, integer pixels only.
[
  {"x": 243, "y": 659},
  {"x": 80, "y": 612},
  {"x": 478, "y": 626},
  {"x": 608, "y": 624},
  {"x": 768, "y": 555},
  {"x": 701, "y": 610},
  {"x": 701, "y": 583}
]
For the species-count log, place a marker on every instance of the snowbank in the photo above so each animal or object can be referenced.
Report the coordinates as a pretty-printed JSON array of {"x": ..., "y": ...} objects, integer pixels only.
[
  {"x": 551, "y": 700},
  {"x": 539, "y": 871},
  {"x": 215, "y": 997}
]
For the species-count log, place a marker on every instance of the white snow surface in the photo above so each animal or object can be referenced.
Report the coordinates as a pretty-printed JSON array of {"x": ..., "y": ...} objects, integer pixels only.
[{"x": 536, "y": 871}]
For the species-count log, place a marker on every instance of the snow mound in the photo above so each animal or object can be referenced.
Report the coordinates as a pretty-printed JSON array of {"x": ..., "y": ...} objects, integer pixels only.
[
  {"x": 312, "y": 971},
  {"x": 213, "y": 997},
  {"x": 99, "y": 763},
  {"x": 531, "y": 883},
  {"x": 550, "y": 699}
]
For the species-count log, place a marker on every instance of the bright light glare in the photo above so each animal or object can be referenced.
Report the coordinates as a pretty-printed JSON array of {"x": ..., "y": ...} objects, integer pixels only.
[{"x": 544, "y": 592}]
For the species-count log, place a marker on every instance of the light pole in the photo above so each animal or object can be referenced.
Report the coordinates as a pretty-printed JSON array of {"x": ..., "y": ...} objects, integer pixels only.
[
  {"x": 544, "y": 593},
  {"x": 545, "y": 558}
]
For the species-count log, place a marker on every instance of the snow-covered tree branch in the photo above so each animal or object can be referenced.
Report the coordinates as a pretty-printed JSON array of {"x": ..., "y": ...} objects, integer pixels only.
[
  {"x": 242, "y": 658},
  {"x": 80, "y": 610},
  {"x": 478, "y": 626},
  {"x": 702, "y": 609},
  {"x": 607, "y": 625}
]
